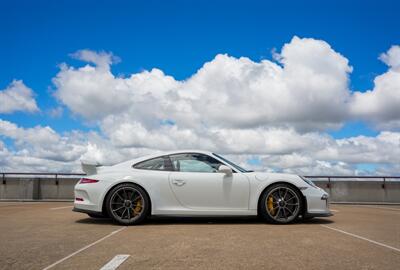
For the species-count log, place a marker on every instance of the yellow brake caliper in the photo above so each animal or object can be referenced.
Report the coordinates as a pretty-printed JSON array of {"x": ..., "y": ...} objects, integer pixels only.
[
  {"x": 270, "y": 205},
  {"x": 137, "y": 208}
]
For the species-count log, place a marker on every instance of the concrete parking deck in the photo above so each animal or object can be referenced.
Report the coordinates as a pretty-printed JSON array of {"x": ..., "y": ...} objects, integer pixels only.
[{"x": 49, "y": 235}]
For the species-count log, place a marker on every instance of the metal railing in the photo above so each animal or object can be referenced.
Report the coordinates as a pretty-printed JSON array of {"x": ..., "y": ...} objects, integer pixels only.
[{"x": 330, "y": 177}]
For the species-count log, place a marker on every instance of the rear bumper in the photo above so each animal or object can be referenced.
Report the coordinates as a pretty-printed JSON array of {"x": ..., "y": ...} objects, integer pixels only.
[{"x": 90, "y": 196}]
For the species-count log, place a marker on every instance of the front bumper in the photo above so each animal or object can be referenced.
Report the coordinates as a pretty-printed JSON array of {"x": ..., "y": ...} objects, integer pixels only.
[
  {"x": 325, "y": 214},
  {"x": 317, "y": 203}
]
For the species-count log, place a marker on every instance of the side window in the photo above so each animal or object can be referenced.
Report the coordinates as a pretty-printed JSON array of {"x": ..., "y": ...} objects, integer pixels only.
[
  {"x": 194, "y": 163},
  {"x": 159, "y": 164}
]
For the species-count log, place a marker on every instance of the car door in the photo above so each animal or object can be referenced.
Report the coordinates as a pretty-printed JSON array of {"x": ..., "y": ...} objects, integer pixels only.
[{"x": 197, "y": 184}]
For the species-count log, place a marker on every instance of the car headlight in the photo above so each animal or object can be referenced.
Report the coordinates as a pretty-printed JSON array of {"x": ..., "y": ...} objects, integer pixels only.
[{"x": 308, "y": 181}]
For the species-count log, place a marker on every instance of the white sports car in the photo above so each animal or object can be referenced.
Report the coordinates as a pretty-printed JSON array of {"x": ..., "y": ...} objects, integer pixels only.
[{"x": 194, "y": 183}]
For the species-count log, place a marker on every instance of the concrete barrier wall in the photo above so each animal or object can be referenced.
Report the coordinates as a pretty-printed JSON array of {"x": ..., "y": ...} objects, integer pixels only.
[
  {"x": 45, "y": 188},
  {"x": 18, "y": 189},
  {"x": 362, "y": 191}
]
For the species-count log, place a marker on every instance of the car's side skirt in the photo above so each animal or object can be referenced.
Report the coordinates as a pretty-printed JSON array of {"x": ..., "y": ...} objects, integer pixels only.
[{"x": 204, "y": 213}]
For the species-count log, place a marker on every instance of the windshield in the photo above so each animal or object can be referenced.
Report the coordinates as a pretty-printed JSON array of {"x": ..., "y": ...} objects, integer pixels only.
[{"x": 237, "y": 167}]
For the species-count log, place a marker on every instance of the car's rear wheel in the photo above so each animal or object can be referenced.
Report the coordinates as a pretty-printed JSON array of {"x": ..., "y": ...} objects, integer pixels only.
[
  {"x": 127, "y": 204},
  {"x": 280, "y": 204}
]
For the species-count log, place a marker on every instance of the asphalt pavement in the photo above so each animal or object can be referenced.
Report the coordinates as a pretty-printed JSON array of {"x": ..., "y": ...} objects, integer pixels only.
[{"x": 48, "y": 235}]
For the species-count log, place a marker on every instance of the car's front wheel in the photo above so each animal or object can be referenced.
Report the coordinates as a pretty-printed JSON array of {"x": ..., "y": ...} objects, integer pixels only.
[
  {"x": 127, "y": 204},
  {"x": 281, "y": 204}
]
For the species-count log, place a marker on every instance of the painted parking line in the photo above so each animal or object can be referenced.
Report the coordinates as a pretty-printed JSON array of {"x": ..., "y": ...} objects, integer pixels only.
[
  {"x": 334, "y": 210},
  {"x": 115, "y": 262},
  {"x": 84, "y": 248},
  {"x": 362, "y": 238},
  {"x": 62, "y": 207}
]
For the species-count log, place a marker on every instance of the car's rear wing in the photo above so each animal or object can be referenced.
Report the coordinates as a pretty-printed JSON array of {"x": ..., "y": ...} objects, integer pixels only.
[{"x": 90, "y": 167}]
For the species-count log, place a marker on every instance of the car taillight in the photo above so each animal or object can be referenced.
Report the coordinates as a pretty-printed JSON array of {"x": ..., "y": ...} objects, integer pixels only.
[
  {"x": 78, "y": 199},
  {"x": 87, "y": 181}
]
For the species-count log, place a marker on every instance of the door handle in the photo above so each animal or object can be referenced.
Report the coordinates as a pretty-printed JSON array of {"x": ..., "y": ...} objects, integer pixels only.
[{"x": 178, "y": 182}]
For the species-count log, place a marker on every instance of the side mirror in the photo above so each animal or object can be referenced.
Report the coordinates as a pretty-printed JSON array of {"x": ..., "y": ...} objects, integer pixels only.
[{"x": 225, "y": 169}]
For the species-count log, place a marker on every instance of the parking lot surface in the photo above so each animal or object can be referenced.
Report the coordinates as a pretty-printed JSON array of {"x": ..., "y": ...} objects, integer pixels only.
[{"x": 48, "y": 235}]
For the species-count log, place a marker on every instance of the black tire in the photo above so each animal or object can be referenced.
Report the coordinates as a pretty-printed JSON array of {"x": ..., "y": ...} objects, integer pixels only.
[
  {"x": 93, "y": 215},
  {"x": 122, "y": 211},
  {"x": 284, "y": 209}
]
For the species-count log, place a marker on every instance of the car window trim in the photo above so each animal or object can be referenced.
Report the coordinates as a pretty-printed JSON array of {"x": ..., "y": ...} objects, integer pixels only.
[
  {"x": 234, "y": 170},
  {"x": 142, "y": 161}
]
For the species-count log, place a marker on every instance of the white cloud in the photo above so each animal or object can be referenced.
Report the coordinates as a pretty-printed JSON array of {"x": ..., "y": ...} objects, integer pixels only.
[
  {"x": 42, "y": 149},
  {"x": 307, "y": 90},
  {"x": 381, "y": 105},
  {"x": 384, "y": 148},
  {"x": 102, "y": 59},
  {"x": 232, "y": 92},
  {"x": 321, "y": 154},
  {"x": 44, "y": 142},
  {"x": 226, "y": 92},
  {"x": 96, "y": 93},
  {"x": 277, "y": 149},
  {"x": 56, "y": 112},
  {"x": 391, "y": 57},
  {"x": 17, "y": 97}
]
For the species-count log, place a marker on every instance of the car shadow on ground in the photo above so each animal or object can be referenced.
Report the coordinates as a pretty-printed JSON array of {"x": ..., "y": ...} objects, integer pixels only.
[{"x": 205, "y": 221}]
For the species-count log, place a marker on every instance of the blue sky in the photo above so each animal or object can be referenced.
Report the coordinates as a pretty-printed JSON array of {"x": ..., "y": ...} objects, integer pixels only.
[{"x": 178, "y": 37}]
